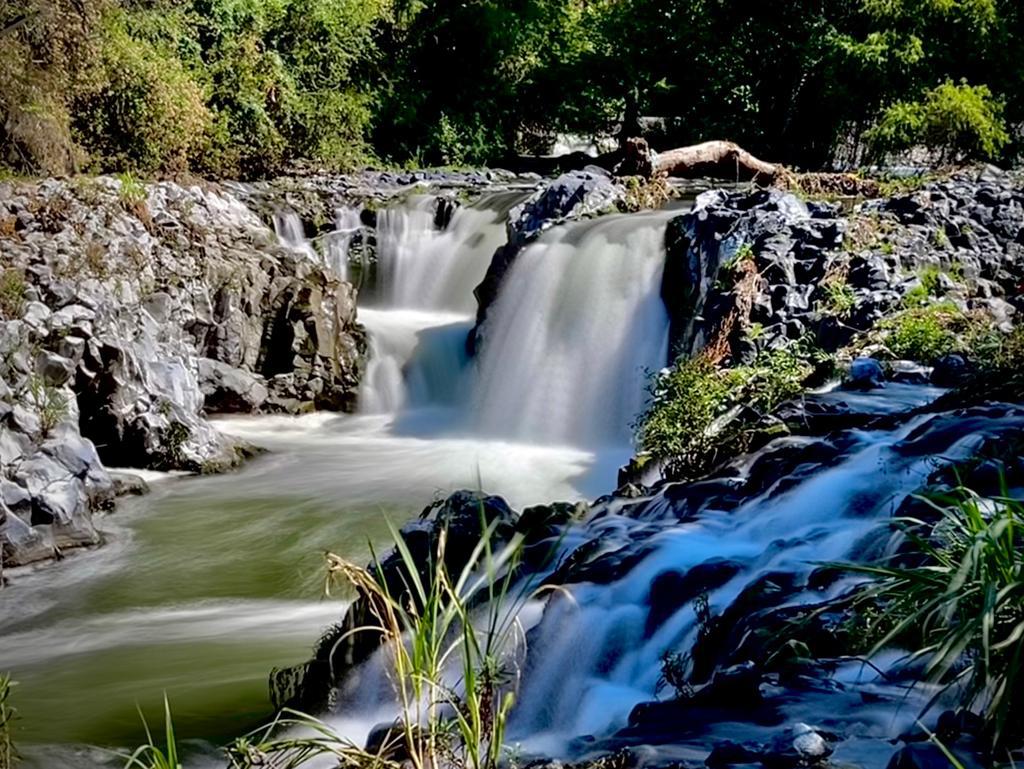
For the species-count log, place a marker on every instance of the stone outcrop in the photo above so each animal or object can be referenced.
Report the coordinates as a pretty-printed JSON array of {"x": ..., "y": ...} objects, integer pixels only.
[
  {"x": 766, "y": 268},
  {"x": 127, "y": 314}
]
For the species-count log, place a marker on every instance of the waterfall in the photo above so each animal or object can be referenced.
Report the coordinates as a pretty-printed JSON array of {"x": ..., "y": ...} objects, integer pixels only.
[
  {"x": 347, "y": 222},
  {"x": 291, "y": 232},
  {"x": 577, "y": 327},
  {"x": 425, "y": 267},
  {"x": 423, "y": 307},
  {"x": 595, "y": 646}
]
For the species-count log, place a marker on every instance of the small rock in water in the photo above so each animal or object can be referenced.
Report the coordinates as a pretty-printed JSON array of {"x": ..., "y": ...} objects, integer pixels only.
[
  {"x": 865, "y": 374},
  {"x": 800, "y": 745}
]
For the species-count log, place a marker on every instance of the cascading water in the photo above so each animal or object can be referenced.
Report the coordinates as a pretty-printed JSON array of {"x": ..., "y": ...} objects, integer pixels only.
[
  {"x": 423, "y": 266},
  {"x": 595, "y": 648},
  {"x": 577, "y": 328},
  {"x": 421, "y": 304},
  {"x": 291, "y": 232}
]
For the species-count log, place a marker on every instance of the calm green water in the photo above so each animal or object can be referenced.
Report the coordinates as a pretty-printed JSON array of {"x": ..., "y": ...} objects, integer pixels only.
[{"x": 208, "y": 583}]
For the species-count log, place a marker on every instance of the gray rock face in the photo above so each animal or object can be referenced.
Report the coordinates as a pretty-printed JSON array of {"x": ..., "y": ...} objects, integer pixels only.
[
  {"x": 767, "y": 260},
  {"x": 125, "y": 320}
]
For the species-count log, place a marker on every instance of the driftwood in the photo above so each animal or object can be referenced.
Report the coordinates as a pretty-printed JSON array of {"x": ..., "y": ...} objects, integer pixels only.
[
  {"x": 715, "y": 159},
  {"x": 722, "y": 159}
]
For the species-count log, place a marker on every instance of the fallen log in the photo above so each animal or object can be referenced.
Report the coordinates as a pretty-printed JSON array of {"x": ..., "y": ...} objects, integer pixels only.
[{"x": 719, "y": 159}]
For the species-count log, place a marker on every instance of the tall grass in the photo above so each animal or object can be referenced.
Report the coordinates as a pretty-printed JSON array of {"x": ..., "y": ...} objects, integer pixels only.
[
  {"x": 963, "y": 604},
  {"x": 153, "y": 756},
  {"x": 8, "y": 755},
  {"x": 453, "y": 644}
]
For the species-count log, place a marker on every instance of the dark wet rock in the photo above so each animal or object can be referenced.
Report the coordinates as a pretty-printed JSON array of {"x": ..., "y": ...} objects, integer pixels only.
[
  {"x": 930, "y": 756},
  {"x": 727, "y": 753},
  {"x": 672, "y": 590},
  {"x": 799, "y": 745},
  {"x": 950, "y": 371},
  {"x": 865, "y": 374}
]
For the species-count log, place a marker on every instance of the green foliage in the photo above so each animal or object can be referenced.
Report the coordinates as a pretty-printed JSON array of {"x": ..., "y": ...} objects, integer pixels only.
[
  {"x": 8, "y": 755},
  {"x": 924, "y": 333},
  {"x": 840, "y": 298},
  {"x": 51, "y": 404},
  {"x": 152, "y": 756},
  {"x": 131, "y": 191},
  {"x": 12, "y": 293},
  {"x": 688, "y": 400},
  {"x": 435, "y": 636},
  {"x": 963, "y": 603},
  {"x": 237, "y": 87},
  {"x": 960, "y": 121}
]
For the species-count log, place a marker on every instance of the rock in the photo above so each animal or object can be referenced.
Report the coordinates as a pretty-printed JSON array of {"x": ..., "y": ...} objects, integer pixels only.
[
  {"x": 930, "y": 756},
  {"x": 230, "y": 390},
  {"x": 128, "y": 484},
  {"x": 117, "y": 323},
  {"x": 799, "y": 745},
  {"x": 727, "y": 753},
  {"x": 950, "y": 371},
  {"x": 865, "y": 374},
  {"x": 573, "y": 195}
]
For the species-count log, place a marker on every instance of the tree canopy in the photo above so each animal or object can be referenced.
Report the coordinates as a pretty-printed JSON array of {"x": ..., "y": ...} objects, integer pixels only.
[{"x": 248, "y": 87}]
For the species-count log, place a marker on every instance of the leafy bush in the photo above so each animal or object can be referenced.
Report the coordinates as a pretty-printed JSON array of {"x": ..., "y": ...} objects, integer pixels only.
[
  {"x": 145, "y": 111},
  {"x": 963, "y": 603},
  {"x": 960, "y": 121},
  {"x": 924, "y": 333}
]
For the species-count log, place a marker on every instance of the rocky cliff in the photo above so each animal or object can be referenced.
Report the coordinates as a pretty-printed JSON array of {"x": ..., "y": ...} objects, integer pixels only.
[{"x": 128, "y": 314}]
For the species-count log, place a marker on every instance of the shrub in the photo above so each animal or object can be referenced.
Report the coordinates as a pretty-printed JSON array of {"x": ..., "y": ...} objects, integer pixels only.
[
  {"x": 145, "y": 111},
  {"x": 963, "y": 603},
  {"x": 688, "y": 399},
  {"x": 50, "y": 402},
  {"x": 685, "y": 402},
  {"x": 840, "y": 298},
  {"x": 959, "y": 121},
  {"x": 924, "y": 333}
]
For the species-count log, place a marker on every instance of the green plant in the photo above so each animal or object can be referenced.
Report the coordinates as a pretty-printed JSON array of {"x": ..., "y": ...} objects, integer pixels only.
[
  {"x": 152, "y": 756},
  {"x": 305, "y": 738},
  {"x": 840, "y": 297},
  {"x": 963, "y": 602},
  {"x": 924, "y": 333},
  {"x": 12, "y": 293},
  {"x": 452, "y": 642},
  {"x": 130, "y": 190},
  {"x": 960, "y": 121},
  {"x": 8, "y": 755},
  {"x": 50, "y": 402}
]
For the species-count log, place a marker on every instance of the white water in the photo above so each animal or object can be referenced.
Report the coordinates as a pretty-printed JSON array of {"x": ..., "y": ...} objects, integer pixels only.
[
  {"x": 291, "y": 232},
  {"x": 578, "y": 326},
  {"x": 335, "y": 245},
  {"x": 423, "y": 267}
]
